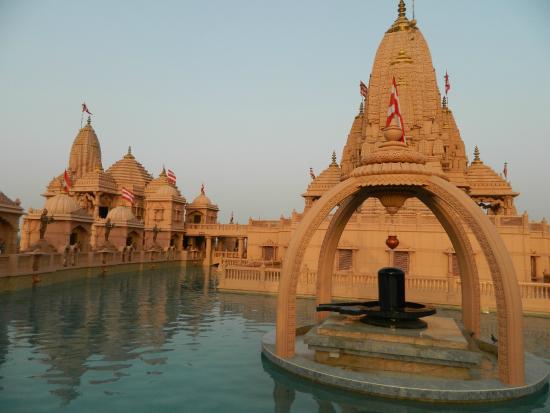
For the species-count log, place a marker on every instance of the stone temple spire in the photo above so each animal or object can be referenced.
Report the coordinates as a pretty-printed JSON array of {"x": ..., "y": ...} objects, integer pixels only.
[
  {"x": 85, "y": 153},
  {"x": 401, "y": 23}
]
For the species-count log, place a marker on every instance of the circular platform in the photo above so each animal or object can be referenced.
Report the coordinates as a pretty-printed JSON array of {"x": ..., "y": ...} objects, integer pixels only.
[{"x": 403, "y": 385}]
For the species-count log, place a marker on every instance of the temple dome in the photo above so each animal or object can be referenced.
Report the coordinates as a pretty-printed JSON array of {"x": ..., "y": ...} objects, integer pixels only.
[
  {"x": 61, "y": 204},
  {"x": 85, "y": 153},
  {"x": 326, "y": 180},
  {"x": 121, "y": 214},
  {"x": 484, "y": 181},
  {"x": 202, "y": 201},
  {"x": 129, "y": 173},
  {"x": 167, "y": 190}
]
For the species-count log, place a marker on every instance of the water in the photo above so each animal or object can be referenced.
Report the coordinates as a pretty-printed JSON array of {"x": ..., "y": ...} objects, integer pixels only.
[{"x": 163, "y": 340}]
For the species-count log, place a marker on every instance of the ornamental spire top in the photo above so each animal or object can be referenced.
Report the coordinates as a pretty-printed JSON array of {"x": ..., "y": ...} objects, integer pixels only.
[
  {"x": 476, "y": 154},
  {"x": 401, "y": 9}
]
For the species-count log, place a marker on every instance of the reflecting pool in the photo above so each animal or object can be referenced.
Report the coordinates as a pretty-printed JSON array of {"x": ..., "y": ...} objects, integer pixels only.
[{"x": 164, "y": 340}]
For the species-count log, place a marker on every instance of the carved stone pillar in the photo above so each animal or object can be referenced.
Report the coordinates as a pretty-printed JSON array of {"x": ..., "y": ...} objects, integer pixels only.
[{"x": 208, "y": 257}]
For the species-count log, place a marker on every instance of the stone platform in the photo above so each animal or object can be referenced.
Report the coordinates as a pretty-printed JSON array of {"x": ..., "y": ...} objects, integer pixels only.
[
  {"x": 402, "y": 383},
  {"x": 440, "y": 350}
]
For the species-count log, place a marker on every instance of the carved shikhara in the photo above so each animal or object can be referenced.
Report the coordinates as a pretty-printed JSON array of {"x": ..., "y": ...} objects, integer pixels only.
[{"x": 454, "y": 209}]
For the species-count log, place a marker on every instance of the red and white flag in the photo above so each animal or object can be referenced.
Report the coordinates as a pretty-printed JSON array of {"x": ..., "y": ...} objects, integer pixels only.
[
  {"x": 394, "y": 111},
  {"x": 363, "y": 89},
  {"x": 128, "y": 195},
  {"x": 85, "y": 109},
  {"x": 67, "y": 179},
  {"x": 171, "y": 176},
  {"x": 447, "y": 83}
]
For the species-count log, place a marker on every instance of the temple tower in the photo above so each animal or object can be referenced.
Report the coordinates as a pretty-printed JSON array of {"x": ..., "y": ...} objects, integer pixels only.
[
  {"x": 85, "y": 153},
  {"x": 429, "y": 124}
]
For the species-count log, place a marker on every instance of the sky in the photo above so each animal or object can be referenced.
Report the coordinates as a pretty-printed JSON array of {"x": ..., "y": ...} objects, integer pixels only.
[{"x": 245, "y": 96}]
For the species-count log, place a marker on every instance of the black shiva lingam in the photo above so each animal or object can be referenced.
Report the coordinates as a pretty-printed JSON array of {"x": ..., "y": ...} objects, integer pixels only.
[{"x": 391, "y": 310}]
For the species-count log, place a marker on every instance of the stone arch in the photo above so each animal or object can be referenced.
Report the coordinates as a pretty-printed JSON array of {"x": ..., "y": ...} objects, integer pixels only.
[
  {"x": 448, "y": 202},
  {"x": 449, "y": 221},
  {"x": 79, "y": 235},
  {"x": 133, "y": 238}
]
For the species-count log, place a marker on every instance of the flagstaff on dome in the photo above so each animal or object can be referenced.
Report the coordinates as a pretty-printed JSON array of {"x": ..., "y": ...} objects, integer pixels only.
[
  {"x": 128, "y": 196},
  {"x": 363, "y": 89},
  {"x": 171, "y": 176},
  {"x": 67, "y": 179},
  {"x": 84, "y": 110},
  {"x": 394, "y": 111},
  {"x": 447, "y": 83}
]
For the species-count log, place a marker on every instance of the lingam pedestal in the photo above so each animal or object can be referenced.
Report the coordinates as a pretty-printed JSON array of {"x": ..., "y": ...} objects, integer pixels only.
[{"x": 388, "y": 335}]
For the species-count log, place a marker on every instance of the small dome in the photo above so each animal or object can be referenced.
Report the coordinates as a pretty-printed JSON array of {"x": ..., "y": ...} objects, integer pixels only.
[
  {"x": 327, "y": 179},
  {"x": 202, "y": 200},
  {"x": 129, "y": 173},
  {"x": 61, "y": 204},
  {"x": 167, "y": 190},
  {"x": 121, "y": 214}
]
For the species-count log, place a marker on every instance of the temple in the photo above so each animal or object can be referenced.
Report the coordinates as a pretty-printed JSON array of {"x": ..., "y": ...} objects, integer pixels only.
[{"x": 93, "y": 214}]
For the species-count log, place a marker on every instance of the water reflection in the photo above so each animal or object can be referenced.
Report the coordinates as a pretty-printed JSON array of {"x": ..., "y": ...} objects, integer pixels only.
[{"x": 100, "y": 324}]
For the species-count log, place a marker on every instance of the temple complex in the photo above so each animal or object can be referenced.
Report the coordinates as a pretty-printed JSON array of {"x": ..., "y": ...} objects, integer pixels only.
[{"x": 91, "y": 213}]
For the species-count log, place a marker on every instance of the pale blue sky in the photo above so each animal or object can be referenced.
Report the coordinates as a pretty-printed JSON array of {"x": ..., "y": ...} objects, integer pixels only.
[{"x": 245, "y": 96}]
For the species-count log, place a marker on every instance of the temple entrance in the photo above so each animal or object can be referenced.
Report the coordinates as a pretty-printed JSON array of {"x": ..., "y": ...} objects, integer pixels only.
[
  {"x": 133, "y": 239},
  {"x": 79, "y": 237},
  {"x": 7, "y": 235}
]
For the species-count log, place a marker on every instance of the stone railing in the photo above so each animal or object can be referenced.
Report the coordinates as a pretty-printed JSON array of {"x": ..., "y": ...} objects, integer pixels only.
[
  {"x": 244, "y": 262},
  {"x": 226, "y": 254},
  {"x": 35, "y": 263},
  {"x": 441, "y": 291},
  {"x": 236, "y": 230}
]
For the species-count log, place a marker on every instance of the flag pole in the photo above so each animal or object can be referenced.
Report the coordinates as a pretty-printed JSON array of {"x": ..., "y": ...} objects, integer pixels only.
[{"x": 81, "y": 118}]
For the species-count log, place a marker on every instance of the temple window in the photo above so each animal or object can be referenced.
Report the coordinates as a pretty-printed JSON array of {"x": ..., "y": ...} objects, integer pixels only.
[
  {"x": 103, "y": 211},
  {"x": 533, "y": 268},
  {"x": 455, "y": 270},
  {"x": 269, "y": 253},
  {"x": 401, "y": 260},
  {"x": 345, "y": 260},
  {"x": 158, "y": 214},
  {"x": 196, "y": 219}
]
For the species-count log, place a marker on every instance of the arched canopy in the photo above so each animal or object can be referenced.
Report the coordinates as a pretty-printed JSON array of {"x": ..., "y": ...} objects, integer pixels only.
[{"x": 454, "y": 209}]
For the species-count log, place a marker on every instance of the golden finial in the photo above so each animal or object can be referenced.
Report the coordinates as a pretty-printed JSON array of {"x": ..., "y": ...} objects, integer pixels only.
[
  {"x": 444, "y": 102},
  {"x": 89, "y": 121},
  {"x": 361, "y": 108},
  {"x": 476, "y": 154},
  {"x": 402, "y": 9},
  {"x": 334, "y": 158},
  {"x": 129, "y": 150},
  {"x": 163, "y": 172}
]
